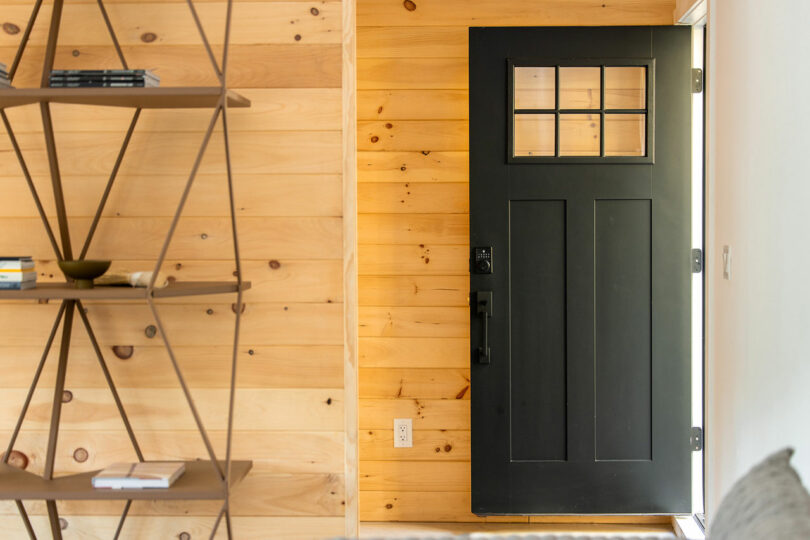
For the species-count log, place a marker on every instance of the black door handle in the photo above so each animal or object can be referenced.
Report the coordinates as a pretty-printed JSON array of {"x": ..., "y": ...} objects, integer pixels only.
[{"x": 483, "y": 302}]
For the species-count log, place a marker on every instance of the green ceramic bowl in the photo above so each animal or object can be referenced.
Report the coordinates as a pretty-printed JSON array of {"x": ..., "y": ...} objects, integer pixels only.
[{"x": 84, "y": 272}]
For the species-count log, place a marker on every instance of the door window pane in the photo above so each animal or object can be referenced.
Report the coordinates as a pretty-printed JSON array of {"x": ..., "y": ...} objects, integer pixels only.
[
  {"x": 579, "y": 134},
  {"x": 624, "y": 135},
  {"x": 534, "y": 135},
  {"x": 580, "y": 87},
  {"x": 534, "y": 88},
  {"x": 625, "y": 87}
]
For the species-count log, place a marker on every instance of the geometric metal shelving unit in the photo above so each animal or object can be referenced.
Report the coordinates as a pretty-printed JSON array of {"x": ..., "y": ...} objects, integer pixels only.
[{"x": 210, "y": 479}]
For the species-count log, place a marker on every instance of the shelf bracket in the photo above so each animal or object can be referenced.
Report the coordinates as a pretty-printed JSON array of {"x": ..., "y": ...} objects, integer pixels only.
[
  {"x": 112, "y": 34},
  {"x": 205, "y": 41},
  {"x": 24, "y": 41}
]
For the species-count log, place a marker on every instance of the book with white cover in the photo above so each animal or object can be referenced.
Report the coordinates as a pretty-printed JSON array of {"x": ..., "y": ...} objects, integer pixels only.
[
  {"x": 16, "y": 263},
  {"x": 17, "y": 276},
  {"x": 146, "y": 475}
]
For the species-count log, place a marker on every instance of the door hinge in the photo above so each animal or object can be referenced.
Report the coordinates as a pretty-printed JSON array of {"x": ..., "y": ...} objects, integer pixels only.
[
  {"x": 697, "y": 80},
  {"x": 697, "y": 261},
  {"x": 696, "y": 439}
]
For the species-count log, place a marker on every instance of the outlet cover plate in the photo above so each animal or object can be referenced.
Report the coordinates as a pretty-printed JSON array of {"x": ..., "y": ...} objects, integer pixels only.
[{"x": 403, "y": 433}]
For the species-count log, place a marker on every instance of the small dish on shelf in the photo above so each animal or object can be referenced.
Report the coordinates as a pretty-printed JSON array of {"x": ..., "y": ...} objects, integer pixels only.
[{"x": 84, "y": 272}]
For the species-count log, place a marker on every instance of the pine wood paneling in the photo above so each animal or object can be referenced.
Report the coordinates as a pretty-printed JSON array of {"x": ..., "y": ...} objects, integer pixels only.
[
  {"x": 413, "y": 202},
  {"x": 289, "y": 164}
]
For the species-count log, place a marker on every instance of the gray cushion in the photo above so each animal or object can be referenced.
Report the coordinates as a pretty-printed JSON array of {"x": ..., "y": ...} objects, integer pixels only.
[{"x": 768, "y": 502}]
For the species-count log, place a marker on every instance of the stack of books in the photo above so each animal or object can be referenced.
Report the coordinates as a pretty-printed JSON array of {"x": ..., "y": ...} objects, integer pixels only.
[
  {"x": 4, "y": 82},
  {"x": 17, "y": 273},
  {"x": 146, "y": 475},
  {"x": 103, "y": 78}
]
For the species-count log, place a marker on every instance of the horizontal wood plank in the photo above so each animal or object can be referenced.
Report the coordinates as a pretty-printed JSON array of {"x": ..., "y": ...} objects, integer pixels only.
[
  {"x": 395, "y": 383},
  {"x": 203, "y": 367},
  {"x": 271, "y": 451},
  {"x": 249, "y": 66},
  {"x": 151, "y": 409},
  {"x": 139, "y": 527},
  {"x": 169, "y": 23},
  {"x": 500, "y": 13},
  {"x": 414, "y": 291},
  {"x": 413, "y": 259},
  {"x": 428, "y": 445},
  {"x": 432, "y": 414},
  {"x": 423, "y": 166},
  {"x": 390, "y": 352},
  {"x": 411, "y": 73},
  {"x": 414, "y": 322},
  {"x": 211, "y": 324},
  {"x": 412, "y": 42},
  {"x": 399, "y": 105},
  {"x": 413, "y": 198},
  {"x": 434, "y": 229},
  {"x": 435, "y": 476},
  {"x": 408, "y": 135}
]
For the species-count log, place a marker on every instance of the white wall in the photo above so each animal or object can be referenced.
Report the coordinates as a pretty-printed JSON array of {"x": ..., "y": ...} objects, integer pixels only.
[{"x": 759, "y": 203}]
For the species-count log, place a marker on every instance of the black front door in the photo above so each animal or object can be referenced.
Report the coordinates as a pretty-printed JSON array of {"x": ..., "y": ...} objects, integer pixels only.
[{"x": 580, "y": 240}]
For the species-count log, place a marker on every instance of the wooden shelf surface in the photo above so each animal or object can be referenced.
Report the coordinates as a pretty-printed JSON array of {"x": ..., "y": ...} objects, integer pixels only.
[
  {"x": 199, "y": 482},
  {"x": 66, "y": 291},
  {"x": 187, "y": 97}
]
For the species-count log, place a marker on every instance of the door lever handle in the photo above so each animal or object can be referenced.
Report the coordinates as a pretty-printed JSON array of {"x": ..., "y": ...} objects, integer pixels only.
[{"x": 483, "y": 303}]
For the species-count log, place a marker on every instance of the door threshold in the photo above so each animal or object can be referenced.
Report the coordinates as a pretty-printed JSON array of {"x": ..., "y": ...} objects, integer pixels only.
[{"x": 415, "y": 530}]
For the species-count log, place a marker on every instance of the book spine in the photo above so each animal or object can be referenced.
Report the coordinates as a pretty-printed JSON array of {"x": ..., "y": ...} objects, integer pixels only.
[
  {"x": 17, "y": 266},
  {"x": 18, "y": 277},
  {"x": 16, "y": 285}
]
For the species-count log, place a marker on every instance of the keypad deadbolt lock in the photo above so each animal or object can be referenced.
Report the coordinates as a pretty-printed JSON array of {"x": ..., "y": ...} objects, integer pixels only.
[{"x": 482, "y": 260}]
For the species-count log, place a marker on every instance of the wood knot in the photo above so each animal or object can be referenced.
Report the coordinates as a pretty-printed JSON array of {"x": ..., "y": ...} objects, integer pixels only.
[
  {"x": 315, "y": 11},
  {"x": 233, "y": 307},
  {"x": 81, "y": 455},
  {"x": 63, "y": 523},
  {"x": 11, "y": 28},
  {"x": 329, "y": 401},
  {"x": 150, "y": 331},
  {"x": 209, "y": 311},
  {"x": 403, "y": 168},
  {"x": 67, "y": 396},
  {"x": 184, "y": 536},
  {"x": 17, "y": 459},
  {"x": 274, "y": 264},
  {"x": 75, "y": 52},
  {"x": 438, "y": 450},
  {"x": 447, "y": 447},
  {"x": 178, "y": 266},
  {"x": 375, "y": 139},
  {"x": 389, "y": 506},
  {"x": 379, "y": 109},
  {"x": 389, "y": 125},
  {"x": 124, "y": 352},
  {"x": 148, "y": 37},
  {"x": 251, "y": 352},
  {"x": 297, "y": 37},
  {"x": 409, "y": 5}
]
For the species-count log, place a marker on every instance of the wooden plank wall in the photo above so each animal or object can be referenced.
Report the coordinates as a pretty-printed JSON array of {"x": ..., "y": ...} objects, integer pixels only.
[
  {"x": 413, "y": 234},
  {"x": 287, "y": 153}
]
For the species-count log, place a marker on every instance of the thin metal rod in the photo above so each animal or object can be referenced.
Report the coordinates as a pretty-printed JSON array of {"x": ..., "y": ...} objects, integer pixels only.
[
  {"x": 50, "y": 48},
  {"x": 216, "y": 523},
  {"x": 112, "y": 34},
  {"x": 31, "y": 186},
  {"x": 121, "y": 521},
  {"x": 228, "y": 527},
  {"x": 184, "y": 196},
  {"x": 227, "y": 44},
  {"x": 113, "y": 175},
  {"x": 24, "y": 41},
  {"x": 205, "y": 41},
  {"x": 108, "y": 377},
  {"x": 209, "y": 448},
  {"x": 56, "y": 178},
  {"x": 34, "y": 383},
  {"x": 53, "y": 519},
  {"x": 27, "y": 522},
  {"x": 237, "y": 257},
  {"x": 59, "y": 389}
]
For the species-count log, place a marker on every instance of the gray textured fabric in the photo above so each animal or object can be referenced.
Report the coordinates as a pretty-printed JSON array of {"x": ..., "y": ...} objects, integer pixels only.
[{"x": 768, "y": 502}]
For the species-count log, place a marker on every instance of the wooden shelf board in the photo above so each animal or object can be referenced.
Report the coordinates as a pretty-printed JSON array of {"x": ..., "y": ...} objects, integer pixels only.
[
  {"x": 187, "y": 97},
  {"x": 199, "y": 482},
  {"x": 66, "y": 291}
]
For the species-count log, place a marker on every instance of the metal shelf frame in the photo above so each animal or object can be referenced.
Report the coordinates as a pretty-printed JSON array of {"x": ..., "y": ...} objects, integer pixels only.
[{"x": 224, "y": 474}]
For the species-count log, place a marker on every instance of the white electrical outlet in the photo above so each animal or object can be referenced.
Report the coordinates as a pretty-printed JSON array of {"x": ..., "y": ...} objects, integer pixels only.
[{"x": 403, "y": 433}]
